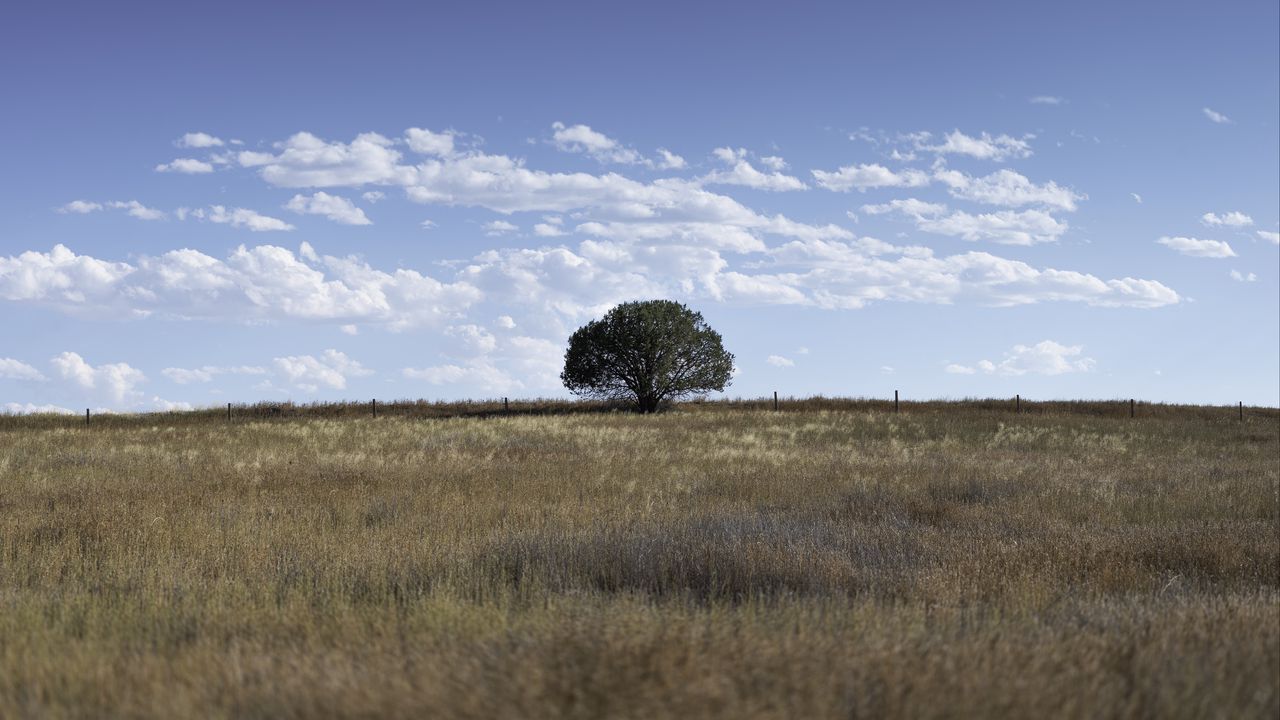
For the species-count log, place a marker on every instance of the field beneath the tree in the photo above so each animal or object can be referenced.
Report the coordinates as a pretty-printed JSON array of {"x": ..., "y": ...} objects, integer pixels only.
[{"x": 833, "y": 559}]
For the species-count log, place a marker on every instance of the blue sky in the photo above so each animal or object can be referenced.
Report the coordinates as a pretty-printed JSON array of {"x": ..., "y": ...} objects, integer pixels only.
[{"x": 337, "y": 201}]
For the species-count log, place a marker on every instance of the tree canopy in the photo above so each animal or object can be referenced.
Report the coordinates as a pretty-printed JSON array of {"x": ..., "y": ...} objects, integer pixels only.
[{"x": 648, "y": 354}]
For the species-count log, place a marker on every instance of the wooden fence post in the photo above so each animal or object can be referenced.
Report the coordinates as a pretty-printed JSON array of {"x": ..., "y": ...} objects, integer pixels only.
[
  {"x": 228, "y": 412},
  {"x": 1017, "y": 401},
  {"x": 506, "y": 407},
  {"x": 775, "y": 400},
  {"x": 1242, "y": 410},
  {"x": 1131, "y": 406},
  {"x": 895, "y": 401},
  {"x": 374, "y": 405},
  {"x": 86, "y": 417}
]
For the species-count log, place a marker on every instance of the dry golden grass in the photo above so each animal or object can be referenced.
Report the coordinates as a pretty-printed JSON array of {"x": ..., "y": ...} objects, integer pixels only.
[{"x": 831, "y": 560}]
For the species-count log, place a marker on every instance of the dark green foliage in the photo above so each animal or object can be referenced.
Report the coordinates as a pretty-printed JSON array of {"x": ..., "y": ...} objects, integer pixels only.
[{"x": 648, "y": 354}]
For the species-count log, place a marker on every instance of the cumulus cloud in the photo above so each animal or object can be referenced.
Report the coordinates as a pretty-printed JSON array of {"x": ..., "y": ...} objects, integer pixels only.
[
  {"x": 305, "y": 160},
  {"x": 1044, "y": 358},
  {"x": 331, "y": 369},
  {"x": 669, "y": 160},
  {"x": 32, "y": 409},
  {"x": 743, "y": 173},
  {"x": 11, "y": 369},
  {"x": 80, "y": 207},
  {"x": 1216, "y": 117},
  {"x": 864, "y": 177},
  {"x": 1242, "y": 277},
  {"x": 1198, "y": 248},
  {"x": 137, "y": 209},
  {"x": 1270, "y": 236},
  {"x": 1006, "y": 227},
  {"x": 116, "y": 381},
  {"x": 983, "y": 147},
  {"x": 1008, "y": 188},
  {"x": 1136, "y": 197},
  {"x": 198, "y": 140},
  {"x": 430, "y": 143},
  {"x": 374, "y": 196},
  {"x": 333, "y": 207},
  {"x": 780, "y": 361},
  {"x": 251, "y": 285},
  {"x": 1233, "y": 219},
  {"x": 205, "y": 374},
  {"x": 482, "y": 374},
  {"x": 499, "y": 227},
  {"x": 186, "y": 166},
  {"x": 237, "y": 218},
  {"x": 582, "y": 139}
]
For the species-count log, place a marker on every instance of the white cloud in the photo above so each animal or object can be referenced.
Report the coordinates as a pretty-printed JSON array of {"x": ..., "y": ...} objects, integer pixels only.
[
  {"x": 1215, "y": 116},
  {"x": 115, "y": 381},
  {"x": 780, "y": 361},
  {"x": 373, "y": 196},
  {"x": 187, "y": 166},
  {"x": 1229, "y": 219},
  {"x": 1047, "y": 100},
  {"x": 428, "y": 224},
  {"x": 582, "y": 139},
  {"x": 1007, "y": 227},
  {"x": 137, "y": 209},
  {"x": 1241, "y": 277},
  {"x": 773, "y": 162},
  {"x": 251, "y": 285},
  {"x": 864, "y": 177},
  {"x": 198, "y": 140},
  {"x": 499, "y": 227},
  {"x": 333, "y": 207},
  {"x": 742, "y": 173},
  {"x": 163, "y": 405},
  {"x": 239, "y": 218},
  {"x": 1136, "y": 197},
  {"x": 547, "y": 230},
  {"x": 1269, "y": 236},
  {"x": 1044, "y": 358},
  {"x": 32, "y": 409},
  {"x": 908, "y": 206},
  {"x": 305, "y": 160},
  {"x": 350, "y": 329},
  {"x": 506, "y": 322},
  {"x": 185, "y": 376},
  {"x": 1009, "y": 188},
  {"x": 983, "y": 147},
  {"x": 430, "y": 143},
  {"x": 669, "y": 161},
  {"x": 11, "y": 369},
  {"x": 80, "y": 207},
  {"x": 480, "y": 373},
  {"x": 1198, "y": 248},
  {"x": 729, "y": 155},
  {"x": 886, "y": 370},
  {"x": 331, "y": 369}
]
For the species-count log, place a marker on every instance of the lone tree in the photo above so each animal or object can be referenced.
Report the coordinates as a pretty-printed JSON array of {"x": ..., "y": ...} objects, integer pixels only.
[{"x": 646, "y": 353}]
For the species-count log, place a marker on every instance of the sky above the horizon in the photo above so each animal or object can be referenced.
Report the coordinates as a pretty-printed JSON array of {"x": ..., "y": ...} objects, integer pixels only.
[{"x": 262, "y": 202}]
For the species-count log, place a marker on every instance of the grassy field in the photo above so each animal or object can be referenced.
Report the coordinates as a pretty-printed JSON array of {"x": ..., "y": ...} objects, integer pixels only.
[{"x": 829, "y": 560}]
